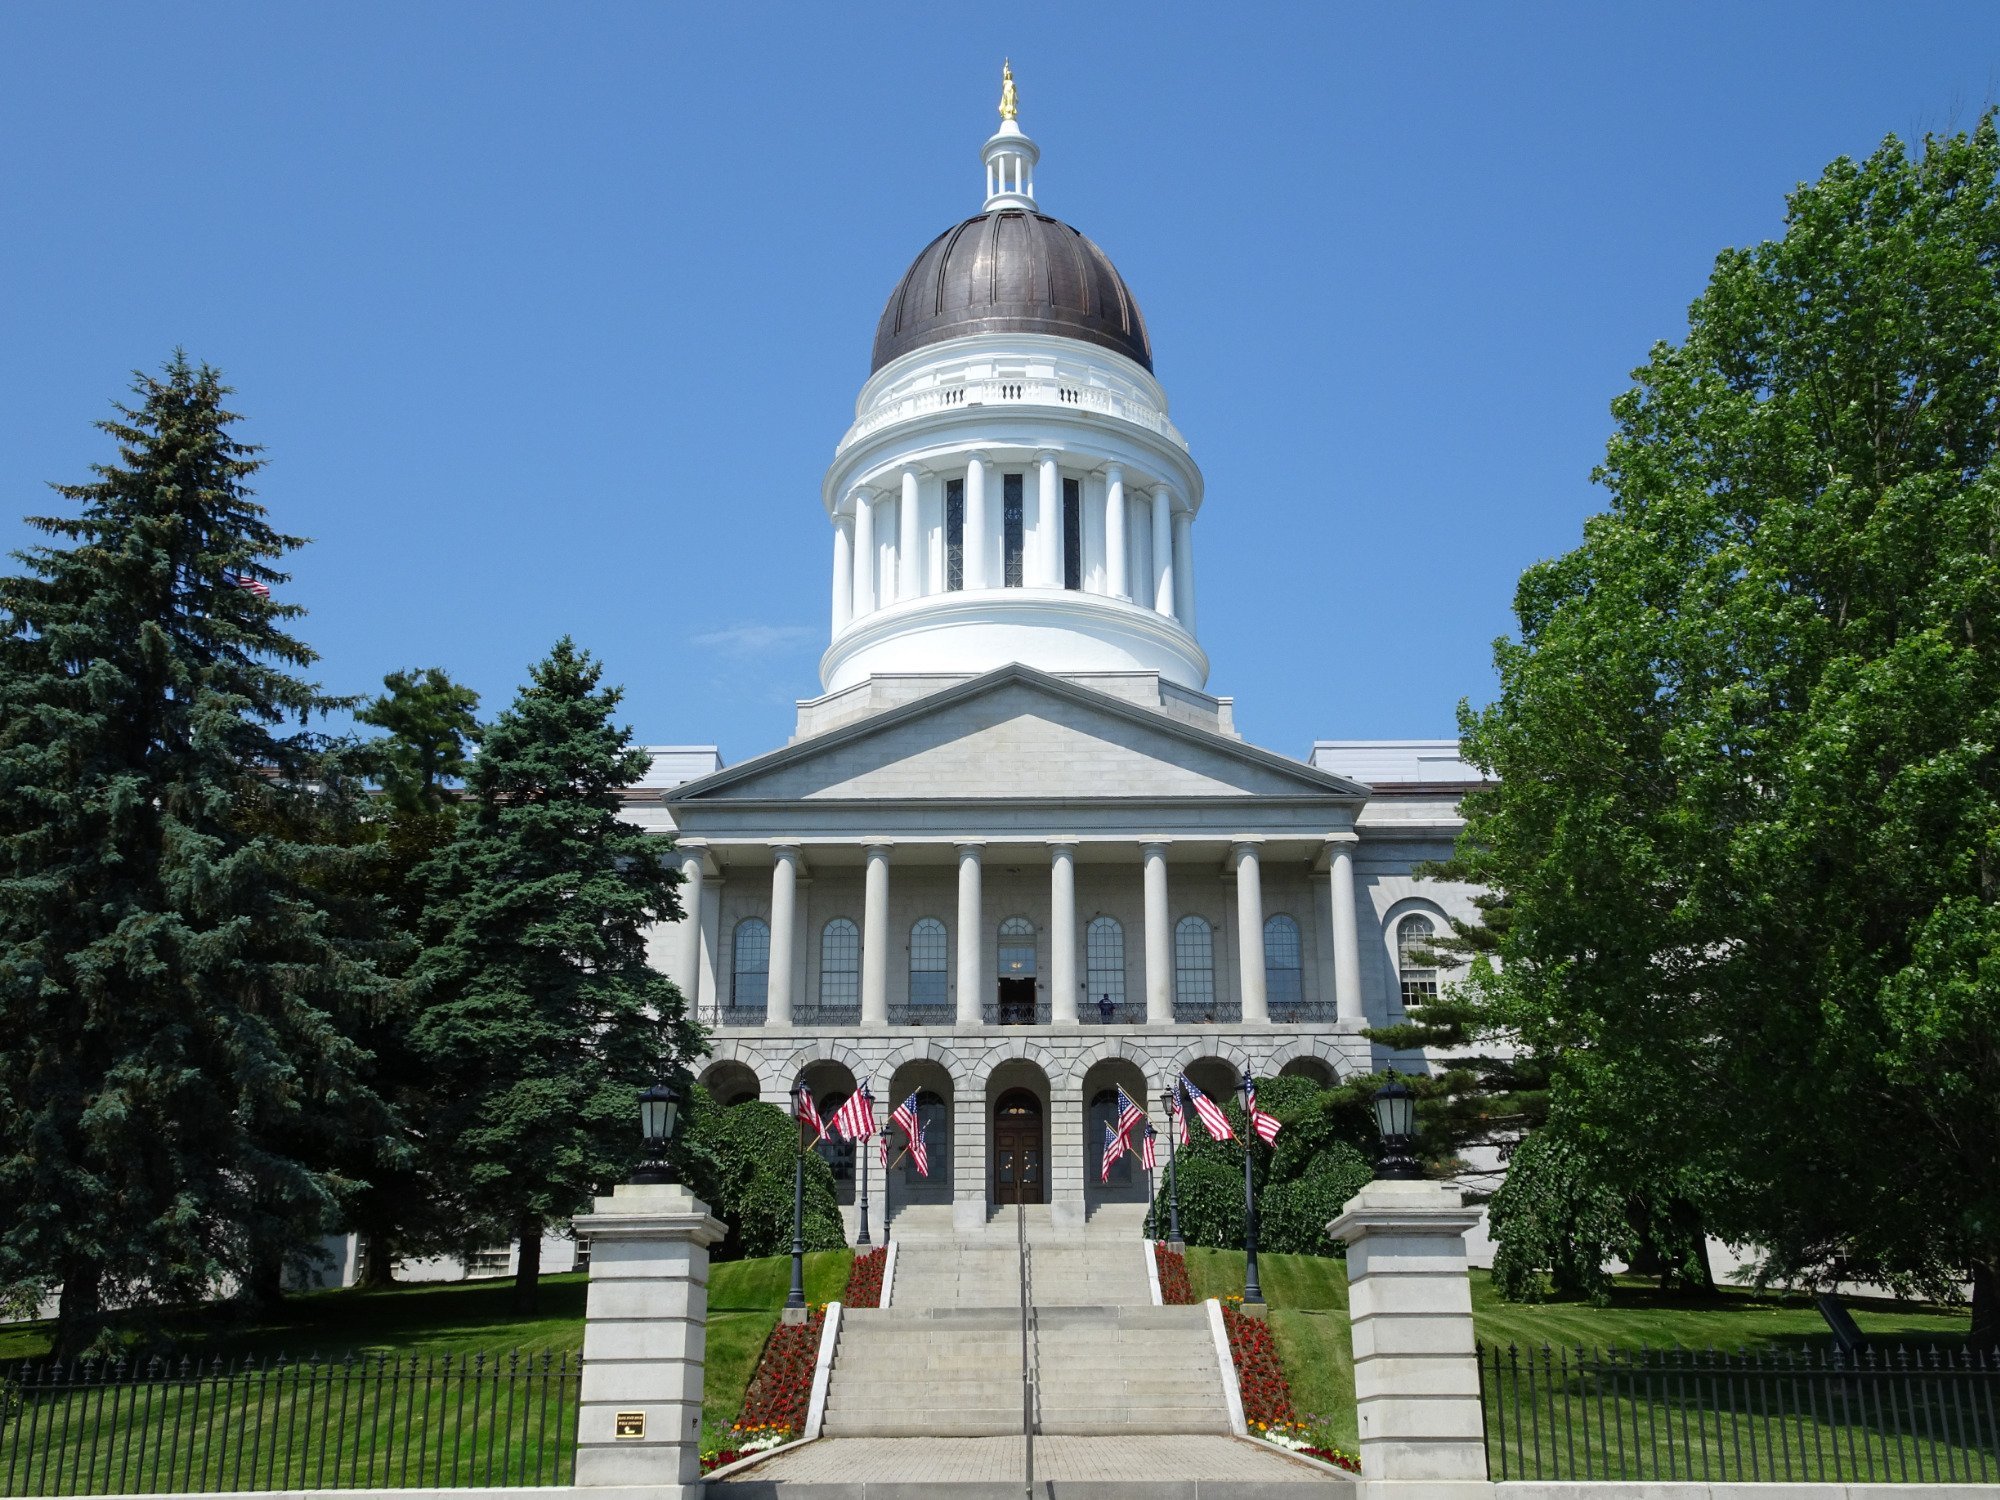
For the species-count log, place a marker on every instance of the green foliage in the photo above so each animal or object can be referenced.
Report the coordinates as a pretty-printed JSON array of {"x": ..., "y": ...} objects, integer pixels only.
[
  {"x": 1292, "y": 1215},
  {"x": 1746, "y": 754},
  {"x": 1556, "y": 1223},
  {"x": 739, "y": 1161},
  {"x": 179, "y": 961},
  {"x": 544, "y": 1018},
  {"x": 432, "y": 724}
]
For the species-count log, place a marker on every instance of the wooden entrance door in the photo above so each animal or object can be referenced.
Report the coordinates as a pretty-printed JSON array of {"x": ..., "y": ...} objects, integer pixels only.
[{"x": 1018, "y": 1174}]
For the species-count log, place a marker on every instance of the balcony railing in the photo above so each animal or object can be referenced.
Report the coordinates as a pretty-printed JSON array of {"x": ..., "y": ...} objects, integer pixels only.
[
  {"x": 1015, "y": 1013},
  {"x": 932, "y": 1014},
  {"x": 1304, "y": 1012},
  {"x": 1208, "y": 1013}
]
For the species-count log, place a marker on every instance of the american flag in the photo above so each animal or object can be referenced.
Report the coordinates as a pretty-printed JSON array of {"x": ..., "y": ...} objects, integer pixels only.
[
  {"x": 1114, "y": 1147},
  {"x": 807, "y": 1113},
  {"x": 1179, "y": 1118},
  {"x": 1129, "y": 1114},
  {"x": 1266, "y": 1126},
  {"x": 885, "y": 1151},
  {"x": 855, "y": 1120},
  {"x": 250, "y": 585},
  {"x": 1146, "y": 1148},
  {"x": 913, "y": 1132},
  {"x": 1212, "y": 1117}
]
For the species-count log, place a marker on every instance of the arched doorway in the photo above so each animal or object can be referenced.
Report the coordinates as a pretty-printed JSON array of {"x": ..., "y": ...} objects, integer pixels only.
[{"x": 1020, "y": 1173}]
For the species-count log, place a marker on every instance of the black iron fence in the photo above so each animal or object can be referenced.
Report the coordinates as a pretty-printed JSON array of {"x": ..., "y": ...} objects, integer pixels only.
[
  {"x": 362, "y": 1422},
  {"x": 1886, "y": 1416}
]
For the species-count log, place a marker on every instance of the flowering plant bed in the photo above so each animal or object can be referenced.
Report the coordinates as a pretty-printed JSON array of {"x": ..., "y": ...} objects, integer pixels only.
[
  {"x": 775, "y": 1405},
  {"x": 1267, "y": 1395},
  {"x": 864, "y": 1281},
  {"x": 1175, "y": 1290}
]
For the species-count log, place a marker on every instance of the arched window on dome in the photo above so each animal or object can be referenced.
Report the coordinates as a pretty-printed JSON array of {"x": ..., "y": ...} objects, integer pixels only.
[
  {"x": 929, "y": 963},
  {"x": 1284, "y": 972},
  {"x": 1013, "y": 526},
  {"x": 1416, "y": 965},
  {"x": 840, "y": 965},
  {"x": 750, "y": 966},
  {"x": 954, "y": 534},
  {"x": 1104, "y": 960},
  {"x": 1072, "y": 533},
  {"x": 1194, "y": 968}
]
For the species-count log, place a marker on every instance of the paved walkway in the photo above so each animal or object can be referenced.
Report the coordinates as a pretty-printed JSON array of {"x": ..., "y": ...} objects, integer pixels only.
[{"x": 1135, "y": 1460}]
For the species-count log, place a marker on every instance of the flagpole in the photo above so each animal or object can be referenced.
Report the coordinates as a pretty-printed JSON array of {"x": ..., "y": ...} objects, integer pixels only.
[
  {"x": 861, "y": 1239},
  {"x": 795, "y": 1299},
  {"x": 1174, "y": 1240},
  {"x": 1253, "y": 1294},
  {"x": 885, "y": 1182}
]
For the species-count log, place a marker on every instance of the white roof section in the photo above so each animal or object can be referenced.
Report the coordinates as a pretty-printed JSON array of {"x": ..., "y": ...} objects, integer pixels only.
[
  {"x": 673, "y": 764},
  {"x": 1396, "y": 762}
]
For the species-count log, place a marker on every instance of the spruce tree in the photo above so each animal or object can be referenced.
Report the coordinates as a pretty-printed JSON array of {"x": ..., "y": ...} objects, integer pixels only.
[
  {"x": 172, "y": 976},
  {"x": 543, "y": 1019}
]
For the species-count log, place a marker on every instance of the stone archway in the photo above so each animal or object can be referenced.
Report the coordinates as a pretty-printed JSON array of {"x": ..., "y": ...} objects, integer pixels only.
[
  {"x": 931, "y": 1082},
  {"x": 730, "y": 1082},
  {"x": 1127, "y": 1184},
  {"x": 1318, "y": 1069},
  {"x": 831, "y": 1084},
  {"x": 1017, "y": 1134}
]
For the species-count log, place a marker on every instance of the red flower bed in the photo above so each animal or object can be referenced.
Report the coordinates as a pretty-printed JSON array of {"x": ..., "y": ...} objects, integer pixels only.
[
  {"x": 864, "y": 1282},
  {"x": 1175, "y": 1290},
  {"x": 1267, "y": 1395},
  {"x": 781, "y": 1390}
]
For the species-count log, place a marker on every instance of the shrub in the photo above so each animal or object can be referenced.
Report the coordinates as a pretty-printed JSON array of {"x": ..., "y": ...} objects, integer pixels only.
[
  {"x": 1555, "y": 1224},
  {"x": 1292, "y": 1216},
  {"x": 739, "y": 1161}
]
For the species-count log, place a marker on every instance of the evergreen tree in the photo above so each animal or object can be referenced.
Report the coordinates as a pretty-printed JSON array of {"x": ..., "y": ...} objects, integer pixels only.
[
  {"x": 173, "y": 982},
  {"x": 543, "y": 1018}
]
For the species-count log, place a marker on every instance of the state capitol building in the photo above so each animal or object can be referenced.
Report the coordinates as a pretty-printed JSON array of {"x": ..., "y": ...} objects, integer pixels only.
[{"x": 1016, "y": 854}]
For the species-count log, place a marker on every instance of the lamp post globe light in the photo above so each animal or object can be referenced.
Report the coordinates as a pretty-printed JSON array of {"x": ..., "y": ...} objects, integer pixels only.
[
  {"x": 1396, "y": 1119},
  {"x": 795, "y": 1299},
  {"x": 1253, "y": 1293},
  {"x": 659, "y": 1116}
]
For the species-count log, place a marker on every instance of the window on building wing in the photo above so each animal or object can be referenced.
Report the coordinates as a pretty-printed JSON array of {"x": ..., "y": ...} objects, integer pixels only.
[
  {"x": 1104, "y": 960},
  {"x": 840, "y": 964},
  {"x": 954, "y": 534},
  {"x": 1194, "y": 963},
  {"x": 1415, "y": 963},
  {"x": 1012, "y": 525},
  {"x": 930, "y": 961},
  {"x": 1072, "y": 533},
  {"x": 1284, "y": 977},
  {"x": 750, "y": 970}
]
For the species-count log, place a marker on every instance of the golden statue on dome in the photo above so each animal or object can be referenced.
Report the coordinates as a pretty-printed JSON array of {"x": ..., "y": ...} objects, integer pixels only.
[{"x": 1009, "y": 103}]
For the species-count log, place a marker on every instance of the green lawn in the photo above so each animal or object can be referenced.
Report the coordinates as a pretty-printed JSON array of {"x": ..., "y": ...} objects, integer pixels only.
[
  {"x": 429, "y": 1320},
  {"x": 1307, "y": 1296}
]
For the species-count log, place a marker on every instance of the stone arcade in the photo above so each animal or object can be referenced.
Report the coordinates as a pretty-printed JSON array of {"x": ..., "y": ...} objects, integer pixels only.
[{"x": 1016, "y": 855}]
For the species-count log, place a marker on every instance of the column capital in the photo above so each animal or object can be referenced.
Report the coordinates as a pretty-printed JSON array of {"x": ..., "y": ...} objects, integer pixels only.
[
  {"x": 1062, "y": 843},
  {"x": 913, "y": 470},
  {"x": 962, "y": 845},
  {"x": 1146, "y": 846},
  {"x": 871, "y": 845},
  {"x": 1047, "y": 456},
  {"x": 1344, "y": 839},
  {"x": 979, "y": 456},
  {"x": 788, "y": 849},
  {"x": 1114, "y": 473},
  {"x": 861, "y": 494},
  {"x": 1332, "y": 846}
]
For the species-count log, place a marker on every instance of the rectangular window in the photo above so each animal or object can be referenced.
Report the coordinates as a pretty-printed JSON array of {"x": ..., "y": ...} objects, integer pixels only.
[
  {"x": 954, "y": 534},
  {"x": 1010, "y": 513},
  {"x": 1072, "y": 533}
]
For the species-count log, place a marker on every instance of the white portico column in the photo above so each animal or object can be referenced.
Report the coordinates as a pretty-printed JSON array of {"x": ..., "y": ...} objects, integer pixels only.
[
  {"x": 909, "y": 544},
  {"x": 1062, "y": 933},
  {"x": 1114, "y": 534},
  {"x": 843, "y": 572},
  {"x": 1250, "y": 932},
  {"x": 875, "y": 939},
  {"x": 784, "y": 928},
  {"x": 1048, "y": 570},
  {"x": 1184, "y": 569},
  {"x": 864, "y": 551},
  {"x": 1159, "y": 938},
  {"x": 1346, "y": 941},
  {"x": 687, "y": 947},
  {"x": 974, "y": 547},
  {"x": 971, "y": 976},
  {"x": 1163, "y": 550}
]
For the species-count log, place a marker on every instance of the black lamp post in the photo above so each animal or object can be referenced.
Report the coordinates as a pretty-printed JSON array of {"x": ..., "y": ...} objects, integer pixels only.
[
  {"x": 1253, "y": 1294},
  {"x": 1174, "y": 1241},
  {"x": 795, "y": 1299},
  {"x": 861, "y": 1166},
  {"x": 1152, "y": 1197},
  {"x": 659, "y": 1113},
  {"x": 1396, "y": 1119}
]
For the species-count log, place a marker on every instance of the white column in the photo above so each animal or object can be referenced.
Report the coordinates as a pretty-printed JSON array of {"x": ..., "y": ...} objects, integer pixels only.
[
  {"x": 1048, "y": 568},
  {"x": 910, "y": 546},
  {"x": 1163, "y": 549},
  {"x": 875, "y": 939},
  {"x": 1093, "y": 538},
  {"x": 1062, "y": 933},
  {"x": 1114, "y": 534},
  {"x": 687, "y": 936},
  {"x": 971, "y": 932},
  {"x": 1184, "y": 569},
  {"x": 1159, "y": 938},
  {"x": 784, "y": 928},
  {"x": 864, "y": 552},
  {"x": 843, "y": 572},
  {"x": 1250, "y": 933},
  {"x": 975, "y": 522},
  {"x": 1346, "y": 940}
]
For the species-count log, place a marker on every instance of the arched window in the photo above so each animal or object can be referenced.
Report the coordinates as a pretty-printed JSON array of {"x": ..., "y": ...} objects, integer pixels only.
[
  {"x": 954, "y": 534},
  {"x": 1011, "y": 528},
  {"x": 1284, "y": 979},
  {"x": 929, "y": 963},
  {"x": 840, "y": 964},
  {"x": 1017, "y": 949},
  {"x": 750, "y": 971},
  {"x": 1103, "y": 1111},
  {"x": 1104, "y": 960},
  {"x": 1414, "y": 961},
  {"x": 1194, "y": 965}
]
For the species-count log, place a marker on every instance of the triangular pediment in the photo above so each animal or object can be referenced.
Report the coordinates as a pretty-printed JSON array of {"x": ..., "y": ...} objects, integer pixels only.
[{"x": 1015, "y": 733}]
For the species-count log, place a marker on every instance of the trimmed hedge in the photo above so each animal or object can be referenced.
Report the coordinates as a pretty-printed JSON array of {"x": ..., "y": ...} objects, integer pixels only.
[{"x": 739, "y": 1161}]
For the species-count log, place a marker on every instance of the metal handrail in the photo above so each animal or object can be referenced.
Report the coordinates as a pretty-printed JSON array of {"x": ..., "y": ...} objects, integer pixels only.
[{"x": 1027, "y": 1365}]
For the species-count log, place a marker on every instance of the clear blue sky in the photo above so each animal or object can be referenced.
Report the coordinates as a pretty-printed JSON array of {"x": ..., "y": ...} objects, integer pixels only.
[{"x": 550, "y": 316}]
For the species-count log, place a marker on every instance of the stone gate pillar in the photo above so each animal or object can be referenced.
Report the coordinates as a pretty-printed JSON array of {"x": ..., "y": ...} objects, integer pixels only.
[
  {"x": 645, "y": 1340},
  {"x": 1416, "y": 1372}
]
